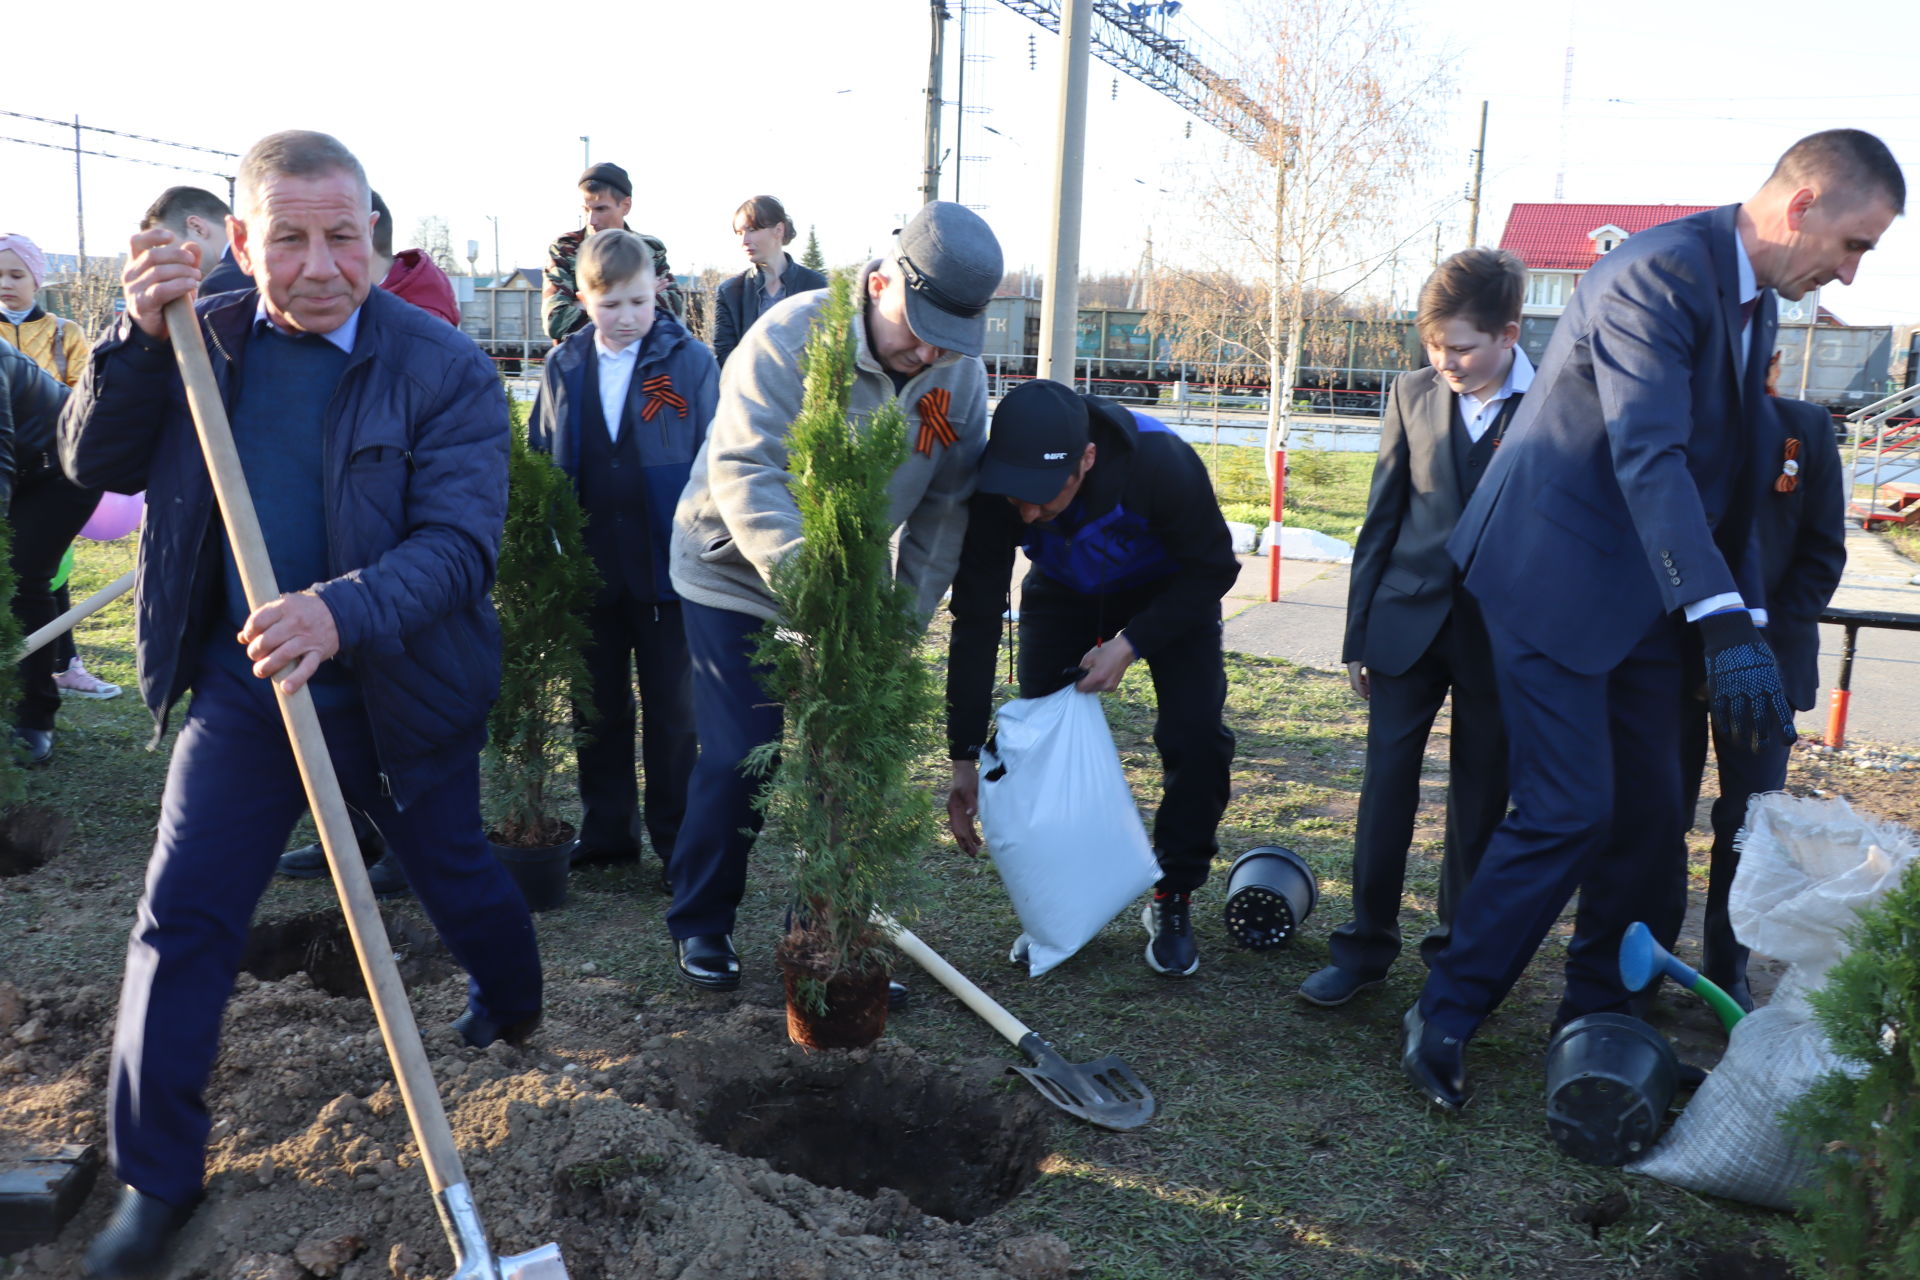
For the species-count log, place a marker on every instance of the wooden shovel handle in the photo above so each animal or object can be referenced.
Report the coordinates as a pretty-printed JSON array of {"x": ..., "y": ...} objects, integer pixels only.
[
  {"x": 995, "y": 1015},
  {"x": 390, "y": 1007},
  {"x": 79, "y": 613}
]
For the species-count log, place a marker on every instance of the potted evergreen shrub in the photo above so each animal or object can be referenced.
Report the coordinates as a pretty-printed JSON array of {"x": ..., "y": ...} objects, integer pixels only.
[
  {"x": 845, "y": 662},
  {"x": 541, "y": 591}
]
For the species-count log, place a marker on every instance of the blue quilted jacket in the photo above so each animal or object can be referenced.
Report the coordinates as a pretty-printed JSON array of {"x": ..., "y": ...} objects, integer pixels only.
[{"x": 416, "y": 494}]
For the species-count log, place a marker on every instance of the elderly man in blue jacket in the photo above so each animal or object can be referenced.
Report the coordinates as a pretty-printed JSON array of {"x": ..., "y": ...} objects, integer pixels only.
[{"x": 374, "y": 438}]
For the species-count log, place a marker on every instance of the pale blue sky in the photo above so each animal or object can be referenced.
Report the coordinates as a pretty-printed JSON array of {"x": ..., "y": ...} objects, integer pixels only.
[{"x": 466, "y": 113}]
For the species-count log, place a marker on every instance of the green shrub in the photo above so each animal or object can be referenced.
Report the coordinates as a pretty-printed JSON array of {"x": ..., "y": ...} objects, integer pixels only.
[
  {"x": 845, "y": 663},
  {"x": 1862, "y": 1220},
  {"x": 542, "y": 589}
]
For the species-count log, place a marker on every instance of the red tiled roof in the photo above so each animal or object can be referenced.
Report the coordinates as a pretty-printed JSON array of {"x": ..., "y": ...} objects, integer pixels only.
[{"x": 1553, "y": 237}]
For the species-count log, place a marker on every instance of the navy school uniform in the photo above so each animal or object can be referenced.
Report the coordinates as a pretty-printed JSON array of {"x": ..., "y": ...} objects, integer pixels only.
[{"x": 629, "y": 483}]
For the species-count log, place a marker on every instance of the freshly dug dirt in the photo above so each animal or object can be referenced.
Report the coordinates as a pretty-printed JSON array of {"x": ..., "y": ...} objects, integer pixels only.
[{"x": 313, "y": 1171}]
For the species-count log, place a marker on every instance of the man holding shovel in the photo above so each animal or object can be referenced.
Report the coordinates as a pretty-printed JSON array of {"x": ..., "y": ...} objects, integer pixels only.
[{"x": 374, "y": 438}]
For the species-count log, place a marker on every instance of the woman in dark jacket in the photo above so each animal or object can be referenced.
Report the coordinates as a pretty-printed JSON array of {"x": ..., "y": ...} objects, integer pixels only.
[{"x": 765, "y": 231}]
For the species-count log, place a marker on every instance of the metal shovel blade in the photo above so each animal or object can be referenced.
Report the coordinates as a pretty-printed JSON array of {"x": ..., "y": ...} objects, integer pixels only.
[
  {"x": 1105, "y": 1091},
  {"x": 474, "y": 1260}
]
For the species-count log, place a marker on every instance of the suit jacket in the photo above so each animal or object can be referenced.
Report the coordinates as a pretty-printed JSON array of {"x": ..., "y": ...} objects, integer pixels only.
[
  {"x": 1624, "y": 479},
  {"x": 1801, "y": 536},
  {"x": 1403, "y": 580}
]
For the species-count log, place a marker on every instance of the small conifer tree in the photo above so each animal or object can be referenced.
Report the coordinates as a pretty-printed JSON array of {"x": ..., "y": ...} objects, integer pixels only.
[
  {"x": 845, "y": 662},
  {"x": 542, "y": 589},
  {"x": 1862, "y": 1220},
  {"x": 813, "y": 259}
]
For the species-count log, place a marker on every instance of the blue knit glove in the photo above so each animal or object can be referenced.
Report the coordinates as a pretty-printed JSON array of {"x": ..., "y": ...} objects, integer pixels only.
[{"x": 1750, "y": 709}]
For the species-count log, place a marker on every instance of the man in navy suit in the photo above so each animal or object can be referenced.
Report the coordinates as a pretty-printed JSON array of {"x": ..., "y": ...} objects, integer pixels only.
[{"x": 1616, "y": 514}]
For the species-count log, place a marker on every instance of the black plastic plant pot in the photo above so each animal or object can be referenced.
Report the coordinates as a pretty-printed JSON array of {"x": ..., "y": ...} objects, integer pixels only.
[
  {"x": 1610, "y": 1080},
  {"x": 1270, "y": 893},
  {"x": 540, "y": 873}
]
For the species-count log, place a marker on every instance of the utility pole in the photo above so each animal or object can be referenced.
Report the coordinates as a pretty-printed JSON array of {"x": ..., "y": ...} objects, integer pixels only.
[
  {"x": 79, "y": 210},
  {"x": 930, "y": 178},
  {"x": 1479, "y": 167},
  {"x": 496, "y": 249},
  {"x": 1063, "y": 258},
  {"x": 586, "y": 152}
]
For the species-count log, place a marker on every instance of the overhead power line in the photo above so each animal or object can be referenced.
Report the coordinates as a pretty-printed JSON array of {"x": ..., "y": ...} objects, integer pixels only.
[
  {"x": 137, "y": 137},
  {"x": 108, "y": 155}
]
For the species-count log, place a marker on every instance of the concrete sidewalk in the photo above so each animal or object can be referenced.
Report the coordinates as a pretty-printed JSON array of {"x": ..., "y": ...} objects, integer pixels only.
[{"x": 1306, "y": 626}]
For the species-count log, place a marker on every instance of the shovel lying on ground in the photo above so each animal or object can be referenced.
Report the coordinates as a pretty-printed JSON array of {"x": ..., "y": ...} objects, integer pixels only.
[
  {"x": 473, "y": 1257},
  {"x": 1104, "y": 1091}
]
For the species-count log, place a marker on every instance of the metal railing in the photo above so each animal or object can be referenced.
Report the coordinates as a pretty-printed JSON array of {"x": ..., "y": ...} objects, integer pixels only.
[
  {"x": 1851, "y": 620},
  {"x": 1889, "y": 433}
]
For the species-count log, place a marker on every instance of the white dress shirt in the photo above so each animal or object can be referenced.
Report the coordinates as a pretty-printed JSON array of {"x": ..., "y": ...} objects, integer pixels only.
[
  {"x": 1749, "y": 290},
  {"x": 616, "y": 374}
]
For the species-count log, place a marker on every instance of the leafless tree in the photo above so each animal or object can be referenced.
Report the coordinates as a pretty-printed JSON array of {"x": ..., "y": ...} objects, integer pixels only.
[{"x": 1297, "y": 228}]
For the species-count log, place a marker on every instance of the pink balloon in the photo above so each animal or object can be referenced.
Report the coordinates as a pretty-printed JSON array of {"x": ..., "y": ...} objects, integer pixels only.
[{"x": 117, "y": 516}]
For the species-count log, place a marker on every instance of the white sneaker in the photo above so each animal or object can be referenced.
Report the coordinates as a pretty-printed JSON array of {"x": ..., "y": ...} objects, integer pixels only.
[
  {"x": 82, "y": 683},
  {"x": 1021, "y": 952}
]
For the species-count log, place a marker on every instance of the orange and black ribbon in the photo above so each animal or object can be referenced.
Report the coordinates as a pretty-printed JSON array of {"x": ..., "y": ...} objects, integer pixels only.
[
  {"x": 1789, "y": 468},
  {"x": 933, "y": 421},
  {"x": 659, "y": 390}
]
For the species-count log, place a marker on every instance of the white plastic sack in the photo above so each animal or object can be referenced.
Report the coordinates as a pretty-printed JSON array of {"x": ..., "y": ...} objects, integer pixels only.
[
  {"x": 1060, "y": 822},
  {"x": 1807, "y": 869}
]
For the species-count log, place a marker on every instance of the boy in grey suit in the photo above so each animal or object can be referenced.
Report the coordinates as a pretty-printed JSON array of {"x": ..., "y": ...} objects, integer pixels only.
[{"x": 1413, "y": 635}]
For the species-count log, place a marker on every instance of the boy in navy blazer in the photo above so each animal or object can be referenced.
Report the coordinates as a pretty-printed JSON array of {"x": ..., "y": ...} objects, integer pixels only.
[
  {"x": 623, "y": 408},
  {"x": 1800, "y": 534},
  {"x": 1414, "y": 636}
]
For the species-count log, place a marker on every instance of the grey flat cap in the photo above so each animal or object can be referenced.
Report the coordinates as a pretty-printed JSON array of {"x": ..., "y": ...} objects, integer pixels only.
[{"x": 952, "y": 264}]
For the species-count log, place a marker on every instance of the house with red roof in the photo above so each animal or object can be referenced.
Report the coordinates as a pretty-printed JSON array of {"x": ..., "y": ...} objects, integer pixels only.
[{"x": 1559, "y": 242}]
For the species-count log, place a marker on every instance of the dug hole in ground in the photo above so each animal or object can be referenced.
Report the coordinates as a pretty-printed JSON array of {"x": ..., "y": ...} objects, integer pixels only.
[{"x": 713, "y": 1151}]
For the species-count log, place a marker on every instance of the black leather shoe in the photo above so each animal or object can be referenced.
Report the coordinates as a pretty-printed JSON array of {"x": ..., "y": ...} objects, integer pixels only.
[
  {"x": 387, "y": 879},
  {"x": 709, "y": 961},
  {"x": 36, "y": 745},
  {"x": 1333, "y": 986},
  {"x": 589, "y": 855},
  {"x": 480, "y": 1031},
  {"x": 899, "y": 999},
  {"x": 1736, "y": 989},
  {"x": 135, "y": 1239},
  {"x": 308, "y": 862},
  {"x": 1435, "y": 1062}
]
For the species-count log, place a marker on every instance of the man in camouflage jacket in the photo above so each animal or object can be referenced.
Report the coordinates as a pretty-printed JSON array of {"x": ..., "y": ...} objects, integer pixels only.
[{"x": 607, "y": 195}]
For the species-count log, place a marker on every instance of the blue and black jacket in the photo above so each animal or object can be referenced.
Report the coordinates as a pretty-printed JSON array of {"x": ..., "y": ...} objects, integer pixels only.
[
  {"x": 668, "y": 441},
  {"x": 1144, "y": 526}
]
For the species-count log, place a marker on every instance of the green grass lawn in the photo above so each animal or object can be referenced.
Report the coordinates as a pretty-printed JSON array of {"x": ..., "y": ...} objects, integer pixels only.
[
  {"x": 1326, "y": 491},
  {"x": 1287, "y": 1143}
]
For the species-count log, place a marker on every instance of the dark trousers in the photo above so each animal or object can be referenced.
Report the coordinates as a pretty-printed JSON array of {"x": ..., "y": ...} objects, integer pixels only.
[
  {"x": 1743, "y": 775},
  {"x": 232, "y": 796},
  {"x": 47, "y": 514},
  {"x": 1058, "y": 626},
  {"x": 733, "y": 715},
  {"x": 635, "y": 638},
  {"x": 1597, "y": 806},
  {"x": 1400, "y": 712}
]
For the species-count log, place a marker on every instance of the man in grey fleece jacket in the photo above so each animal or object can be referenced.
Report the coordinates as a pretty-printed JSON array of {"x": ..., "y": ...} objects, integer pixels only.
[{"x": 921, "y": 324}]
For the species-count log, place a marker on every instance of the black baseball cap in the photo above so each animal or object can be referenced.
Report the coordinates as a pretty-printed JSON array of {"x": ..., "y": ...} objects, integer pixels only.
[
  {"x": 951, "y": 262},
  {"x": 610, "y": 174},
  {"x": 1039, "y": 435}
]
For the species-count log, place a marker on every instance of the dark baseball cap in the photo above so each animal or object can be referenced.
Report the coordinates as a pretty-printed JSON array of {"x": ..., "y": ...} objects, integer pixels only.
[
  {"x": 610, "y": 174},
  {"x": 1039, "y": 434},
  {"x": 952, "y": 266}
]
